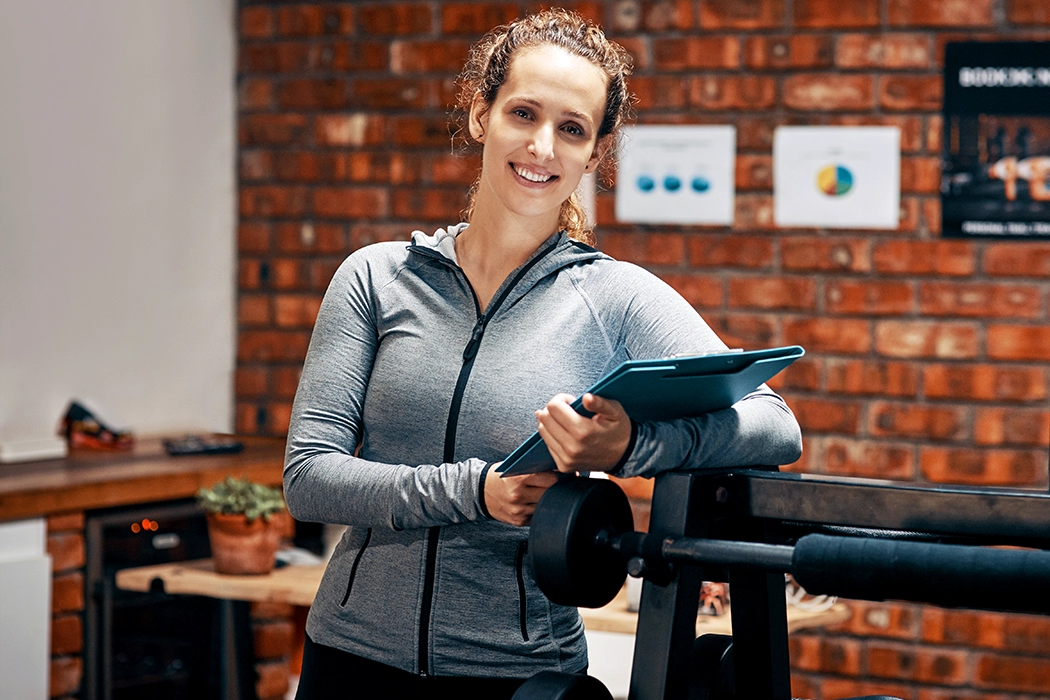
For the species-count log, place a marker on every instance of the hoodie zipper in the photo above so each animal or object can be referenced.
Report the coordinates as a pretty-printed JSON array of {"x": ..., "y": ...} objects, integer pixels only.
[
  {"x": 523, "y": 608},
  {"x": 434, "y": 533}
]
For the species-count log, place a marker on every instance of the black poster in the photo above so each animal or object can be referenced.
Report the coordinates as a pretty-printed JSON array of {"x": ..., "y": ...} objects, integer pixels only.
[{"x": 996, "y": 170}]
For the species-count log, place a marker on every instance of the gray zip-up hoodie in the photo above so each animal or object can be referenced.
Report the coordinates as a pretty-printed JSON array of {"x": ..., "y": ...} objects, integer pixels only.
[{"x": 408, "y": 393}]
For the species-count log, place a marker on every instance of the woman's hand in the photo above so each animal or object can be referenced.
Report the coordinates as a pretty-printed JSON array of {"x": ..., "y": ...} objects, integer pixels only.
[
  {"x": 578, "y": 443},
  {"x": 513, "y": 499}
]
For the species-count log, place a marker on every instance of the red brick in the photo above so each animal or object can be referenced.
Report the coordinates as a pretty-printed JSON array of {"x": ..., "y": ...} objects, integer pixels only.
[
  {"x": 311, "y": 238},
  {"x": 934, "y": 133},
  {"x": 285, "y": 381},
  {"x": 989, "y": 467},
  {"x": 871, "y": 377},
  {"x": 891, "y": 51},
  {"x": 250, "y": 275},
  {"x": 1031, "y": 259},
  {"x": 931, "y": 216},
  {"x": 253, "y": 310},
  {"x": 789, "y": 52},
  {"x": 748, "y": 92},
  {"x": 753, "y": 211},
  {"x": 256, "y": 22},
  {"x": 280, "y": 415},
  {"x": 839, "y": 656},
  {"x": 349, "y": 202},
  {"x": 947, "y": 258},
  {"x": 921, "y": 174},
  {"x": 917, "y": 421},
  {"x": 429, "y": 204},
  {"x": 651, "y": 249},
  {"x": 749, "y": 252},
  {"x": 67, "y": 550},
  {"x": 266, "y": 346},
  {"x": 980, "y": 300},
  {"x": 272, "y": 639},
  {"x": 868, "y": 298},
  {"x": 803, "y": 374},
  {"x": 255, "y": 165},
  {"x": 919, "y": 339},
  {"x": 909, "y": 214},
  {"x": 251, "y": 382},
  {"x": 1034, "y": 12},
  {"x": 1018, "y": 342},
  {"x": 754, "y": 172},
  {"x": 841, "y": 688},
  {"x": 755, "y": 133},
  {"x": 267, "y": 610},
  {"x": 785, "y": 293},
  {"x": 941, "y": 13},
  {"x": 422, "y": 132},
  {"x": 1012, "y": 426},
  {"x": 67, "y": 593},
  {"x": 701, "y": 292},
  {"x": 844, "y": 336},
  {"x": 823, "y": 416},
  {"x": 1019, "y": 673},
  {"x": 66, "y": 674},
  {"x": 817, "y": 254},
  {"x": 825, "y": 14},
  {"x": 67, "y": 635},
  {"x": 868, "y": 459},
  {"x": 392, "y": 93},
  {"x": 295, "y": 311},
  {"x": 692, "y": 52},
  {"x": 475, "y": 19},
  {"x": 742, "y": 14},
  {"x": 272, "y": 679},
  {"x": 984, "y": 382},
  {"x": 254, "y": 94},
  {"x": 828, "y": 92},
  {"x": 305, "y": 166},
  {"x": 663, "y": 15},
  {"x": 428, "y": 56},
  {"x": 744, "y": 330},
  {"x": 660, "y": 91},
  {"x": 261, "y": 129},
  {"x": 367, "y": 234},
  {"x": 65, "y": 522},
  {"x": 883, "y": 620},
  {"x": 379, "y": 20},
  {"x": 911, "y": 92},
  {"x": 891, "y": 661},
  {"x": 272, "y": 200},
  {"x": 287, "y": 273},
  {"x": 253, "y": 237},
  {"x": 966, "y": 628},
  {"x": 356, "y": 130},
  {"x": 942, "y": 666},
  {"x": 314, "y": 20},
  {"x": 1026, "y": 633}
]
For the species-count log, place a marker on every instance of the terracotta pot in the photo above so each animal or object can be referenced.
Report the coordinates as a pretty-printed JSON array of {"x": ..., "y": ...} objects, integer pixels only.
[{"x": 242, "y": 547}]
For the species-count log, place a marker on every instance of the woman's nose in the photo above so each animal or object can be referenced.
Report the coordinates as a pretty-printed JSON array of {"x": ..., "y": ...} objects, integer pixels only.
[{"x": 542, "y": 143}]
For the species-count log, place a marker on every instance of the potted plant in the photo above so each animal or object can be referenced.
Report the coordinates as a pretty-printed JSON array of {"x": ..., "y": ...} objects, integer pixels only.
[{"x": 243, "y": 525}]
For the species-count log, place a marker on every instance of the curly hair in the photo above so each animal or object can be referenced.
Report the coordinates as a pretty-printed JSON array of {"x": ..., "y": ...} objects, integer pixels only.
[{"x": 489, "y": 62}]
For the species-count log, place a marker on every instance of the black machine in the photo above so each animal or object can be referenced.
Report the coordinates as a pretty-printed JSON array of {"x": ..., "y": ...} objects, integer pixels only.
[{"x": 856, "y": 538}]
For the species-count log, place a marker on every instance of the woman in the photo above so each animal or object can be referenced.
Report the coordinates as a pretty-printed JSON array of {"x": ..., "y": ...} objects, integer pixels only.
[{"x": 428, "y": 364}]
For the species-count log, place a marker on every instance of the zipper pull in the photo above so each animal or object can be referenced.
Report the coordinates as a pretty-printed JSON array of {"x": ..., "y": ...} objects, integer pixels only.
[{"x": 475, "y": 339}]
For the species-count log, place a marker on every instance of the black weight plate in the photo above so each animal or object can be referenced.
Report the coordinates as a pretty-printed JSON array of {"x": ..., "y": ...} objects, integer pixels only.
[{"x": 570, "y": 568}]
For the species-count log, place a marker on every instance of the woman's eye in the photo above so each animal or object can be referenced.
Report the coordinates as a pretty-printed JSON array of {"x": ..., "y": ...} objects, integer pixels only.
[
  {"x": 574, "y": 130},
  {"x": 523, "y": 113}
]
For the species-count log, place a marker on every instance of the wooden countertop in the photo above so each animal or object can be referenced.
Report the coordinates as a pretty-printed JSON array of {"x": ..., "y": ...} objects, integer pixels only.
[
  {"x": 88, "y": 479},
  {"x": 298, "y": 585}
]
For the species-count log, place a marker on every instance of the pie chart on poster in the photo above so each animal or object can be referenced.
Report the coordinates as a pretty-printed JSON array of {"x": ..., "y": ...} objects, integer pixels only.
[{"x": 834, "y": 180}]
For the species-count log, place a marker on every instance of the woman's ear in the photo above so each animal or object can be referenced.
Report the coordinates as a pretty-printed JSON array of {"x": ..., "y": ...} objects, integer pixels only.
[
  {"x": 600, "y": 149},
  {"x": 478, "y": 120}
]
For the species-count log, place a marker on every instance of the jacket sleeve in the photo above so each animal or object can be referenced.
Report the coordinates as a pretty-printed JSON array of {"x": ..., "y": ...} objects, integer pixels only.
[
  {"x": 759, "y": 429},
  {"x": 323, "y": 479}
]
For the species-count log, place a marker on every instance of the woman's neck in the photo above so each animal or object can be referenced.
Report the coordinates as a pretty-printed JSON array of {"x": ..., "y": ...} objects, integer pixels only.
[{"x": 491, "y": 247}]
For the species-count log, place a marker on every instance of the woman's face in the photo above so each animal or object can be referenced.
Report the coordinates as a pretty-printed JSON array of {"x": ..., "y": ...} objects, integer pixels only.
[{"x": 539, "y": 136}]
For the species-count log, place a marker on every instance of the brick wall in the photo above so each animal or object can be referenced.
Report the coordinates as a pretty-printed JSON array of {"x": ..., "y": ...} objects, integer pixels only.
[{"x": 928, "y": 359}]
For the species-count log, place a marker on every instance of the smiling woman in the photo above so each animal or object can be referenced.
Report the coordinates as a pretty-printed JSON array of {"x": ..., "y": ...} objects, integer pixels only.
[{"x": 431, "y": 362}]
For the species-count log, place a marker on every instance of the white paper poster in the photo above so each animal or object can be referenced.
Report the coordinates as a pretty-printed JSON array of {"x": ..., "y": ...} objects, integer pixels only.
[
  {"x": 836, "y": 176},
  {"x": 681, "y": 174}
]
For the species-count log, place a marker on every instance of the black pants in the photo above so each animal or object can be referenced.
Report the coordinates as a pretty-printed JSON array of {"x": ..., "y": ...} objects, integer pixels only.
[{"x": 331, "y": 674}]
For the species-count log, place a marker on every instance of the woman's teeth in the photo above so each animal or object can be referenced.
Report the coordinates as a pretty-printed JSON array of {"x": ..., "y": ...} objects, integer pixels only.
[{"x": 531, "y": 176}]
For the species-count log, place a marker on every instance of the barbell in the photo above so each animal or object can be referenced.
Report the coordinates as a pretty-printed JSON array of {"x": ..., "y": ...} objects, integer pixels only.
[{"x": 582, "y": 544}]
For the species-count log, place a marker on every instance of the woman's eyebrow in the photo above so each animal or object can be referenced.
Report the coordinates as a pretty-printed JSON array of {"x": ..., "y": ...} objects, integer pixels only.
[{"x": 568, "y": 112}]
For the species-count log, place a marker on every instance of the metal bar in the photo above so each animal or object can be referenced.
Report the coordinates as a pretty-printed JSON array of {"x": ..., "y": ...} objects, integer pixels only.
[
  {"x": 1003, "y": 515},
  {"x": 770, "y": 557},
  {"x": 760, "y": 647}
]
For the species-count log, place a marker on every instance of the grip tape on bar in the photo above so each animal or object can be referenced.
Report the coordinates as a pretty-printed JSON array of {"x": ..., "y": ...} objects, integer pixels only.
[{"x": 1009, "y": 580}]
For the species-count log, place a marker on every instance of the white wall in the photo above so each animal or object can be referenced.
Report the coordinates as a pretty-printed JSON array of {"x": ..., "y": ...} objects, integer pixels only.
[{"x": 117, "y": 214}]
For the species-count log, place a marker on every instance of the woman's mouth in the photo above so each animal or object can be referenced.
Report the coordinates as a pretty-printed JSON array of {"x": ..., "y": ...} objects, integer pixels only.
[{"x": 531, "y": 175}]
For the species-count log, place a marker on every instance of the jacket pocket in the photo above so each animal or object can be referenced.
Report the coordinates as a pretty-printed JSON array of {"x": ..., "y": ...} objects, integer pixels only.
[
  {"x": 353, "y": 569},
  {"x": 523, "y": 608}
]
